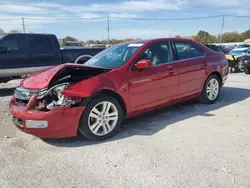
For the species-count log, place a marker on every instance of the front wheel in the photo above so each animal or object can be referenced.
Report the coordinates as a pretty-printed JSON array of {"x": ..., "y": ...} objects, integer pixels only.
[
  {"x": 101, "y": 119},
  {"x": 211, "y": 90}
]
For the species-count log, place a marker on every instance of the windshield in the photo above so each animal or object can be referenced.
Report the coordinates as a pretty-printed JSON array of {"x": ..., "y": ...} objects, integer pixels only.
[
  {"x": 1, "y": 36},
  {"x": 115, "y": 56}
]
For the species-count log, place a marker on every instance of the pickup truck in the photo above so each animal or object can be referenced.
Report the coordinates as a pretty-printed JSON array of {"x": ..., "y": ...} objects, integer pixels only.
[{"x": 23, "y": 54}]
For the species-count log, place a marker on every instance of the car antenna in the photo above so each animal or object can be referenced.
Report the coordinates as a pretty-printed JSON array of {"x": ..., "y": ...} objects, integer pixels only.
[{"x": 171, "y": 34}]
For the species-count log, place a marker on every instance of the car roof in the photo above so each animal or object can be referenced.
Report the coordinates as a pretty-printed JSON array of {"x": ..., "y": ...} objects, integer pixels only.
[
  {"x": 158, "y": 40},
  {"x": 28, "y": 34}
]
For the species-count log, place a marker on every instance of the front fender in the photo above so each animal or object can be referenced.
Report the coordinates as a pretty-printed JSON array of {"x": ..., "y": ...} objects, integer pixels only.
[{"x": 87, "y": 88}]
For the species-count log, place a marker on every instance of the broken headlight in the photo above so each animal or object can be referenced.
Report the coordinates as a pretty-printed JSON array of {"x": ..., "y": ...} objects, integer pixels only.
[
  {"x": 58, "y": 99},
  {"x": 25, "y": 94}
]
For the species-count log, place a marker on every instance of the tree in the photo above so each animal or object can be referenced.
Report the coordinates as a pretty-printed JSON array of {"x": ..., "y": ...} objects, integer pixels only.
[
  {"x": 90, "y": 42},
  {"x": 204, "y": 37},
  {"x": 246, "y": 35},
  {"x": 232, "y": 37},
  {"x": 1, "y": 31},
  {"x": 68, "y": 38},
  {"x": 177, "y": 36},
  {"x": 193, "y": 38},
  {"x": 15, "y": 31}
]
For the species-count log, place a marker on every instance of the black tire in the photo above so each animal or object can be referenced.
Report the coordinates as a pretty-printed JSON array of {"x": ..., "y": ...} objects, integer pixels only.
[
  {"x": 236, "y": 70},
  {"x": 247, "y": 71},
  {"x": 83, "y": 123},
  {"x": 231, "y": 70},
  {"x": 204, "y": 96}
]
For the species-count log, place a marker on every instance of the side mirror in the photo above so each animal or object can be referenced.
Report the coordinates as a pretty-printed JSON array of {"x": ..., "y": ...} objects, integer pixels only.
[
  {"x": 3, "y": 49},
  {"x": 143, "y": 64}
]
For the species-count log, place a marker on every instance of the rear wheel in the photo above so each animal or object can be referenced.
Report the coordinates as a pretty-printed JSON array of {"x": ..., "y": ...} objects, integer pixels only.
[
  {"x": 247, "y": 71},
  {"x": 211, "y": 90},
  {"x": 236, "y": 70},
  {"x": 101, "y": 119}
]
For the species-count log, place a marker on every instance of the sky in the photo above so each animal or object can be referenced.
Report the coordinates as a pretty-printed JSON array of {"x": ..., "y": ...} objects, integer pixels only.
[{"x": 48, "y": 16}]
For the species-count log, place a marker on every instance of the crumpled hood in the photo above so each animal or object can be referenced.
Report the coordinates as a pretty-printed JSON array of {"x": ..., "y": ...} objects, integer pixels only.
[{"x": 41, "y": 80}]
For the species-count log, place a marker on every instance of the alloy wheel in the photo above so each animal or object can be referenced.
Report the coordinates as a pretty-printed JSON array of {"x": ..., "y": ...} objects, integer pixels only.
[
  {"x": 213, "y": 88},
  {"x": 103, "y": 118}
]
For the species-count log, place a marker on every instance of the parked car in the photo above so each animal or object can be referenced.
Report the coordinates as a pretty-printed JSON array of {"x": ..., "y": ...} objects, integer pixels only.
[
  {"x": 236, "y": 59},
  {"x": 215, "y": 48},
  {"x": 243, "y": 46},
  {"x": 22, "y": 54},
  {"x": 120, "y": 82},
  {"x": 227, "y": 49},
  {"x": 238, "y": 52},
  {"x": 246, "y": 63}
]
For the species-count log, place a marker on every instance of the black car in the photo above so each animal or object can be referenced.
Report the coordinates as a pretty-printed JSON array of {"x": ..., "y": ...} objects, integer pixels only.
[
  {"x": 246, "y": 63},
  {"x": 215, "y": 48}
]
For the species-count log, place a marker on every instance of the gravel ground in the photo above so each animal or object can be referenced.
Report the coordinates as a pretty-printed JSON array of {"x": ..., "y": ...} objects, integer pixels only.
[{"x": 186, "y": 145}]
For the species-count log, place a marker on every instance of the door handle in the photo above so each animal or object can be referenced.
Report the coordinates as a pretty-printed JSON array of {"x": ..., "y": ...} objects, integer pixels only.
[
  {"x": 170, "y": 69},
  {"x": 205, "y": 64}
]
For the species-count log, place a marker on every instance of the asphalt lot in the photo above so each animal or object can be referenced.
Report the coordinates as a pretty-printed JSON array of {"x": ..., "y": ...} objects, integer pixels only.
[{"x": 186, "y": 145}]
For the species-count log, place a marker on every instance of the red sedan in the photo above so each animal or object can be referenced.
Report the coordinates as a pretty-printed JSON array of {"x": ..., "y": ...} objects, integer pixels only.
[{"x": 120, "y": 82}]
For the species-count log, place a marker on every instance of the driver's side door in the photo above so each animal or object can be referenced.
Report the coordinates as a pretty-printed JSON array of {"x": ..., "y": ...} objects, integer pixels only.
[{"x": 155, "y": 85}]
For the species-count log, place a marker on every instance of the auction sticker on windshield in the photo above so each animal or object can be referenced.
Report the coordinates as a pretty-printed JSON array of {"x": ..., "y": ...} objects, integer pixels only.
[{"x": 135, "y": 45}]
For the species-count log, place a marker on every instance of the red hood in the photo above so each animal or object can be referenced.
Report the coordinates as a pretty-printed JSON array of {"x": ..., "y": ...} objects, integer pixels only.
[{"x": 42, "y": 79}]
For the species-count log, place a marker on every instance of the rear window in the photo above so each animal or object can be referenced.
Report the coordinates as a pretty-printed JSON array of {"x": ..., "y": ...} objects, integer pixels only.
[
  {"x": 186, "y": 50},
  {"x": 41, "y": 42}
]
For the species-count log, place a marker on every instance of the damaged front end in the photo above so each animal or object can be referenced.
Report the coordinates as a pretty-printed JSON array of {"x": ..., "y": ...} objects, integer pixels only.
[
  {"x": 40, "y": 107},
  {"x": 52, "y": 96},
  {"x": 46, "y": 98},
  {"x": 55, "y": 98}
]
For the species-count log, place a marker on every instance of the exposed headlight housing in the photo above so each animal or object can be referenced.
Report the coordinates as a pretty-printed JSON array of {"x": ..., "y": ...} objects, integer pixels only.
[
  {"x": 25, "y": 94},
  {"x": 58, "y": 99}
]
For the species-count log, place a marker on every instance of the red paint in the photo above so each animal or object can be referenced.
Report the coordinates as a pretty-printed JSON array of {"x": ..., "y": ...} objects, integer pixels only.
[
  {"x": 141, "y": 90},
  {"x": 152, "y": 86},
  {"x": 62, "y": 122},
  {"x": 40, "y": 79},
  {"x": 144, "y": 64}
]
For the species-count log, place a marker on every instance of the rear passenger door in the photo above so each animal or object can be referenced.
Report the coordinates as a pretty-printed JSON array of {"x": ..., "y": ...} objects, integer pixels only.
[
  {"x": 191, "y": 60},
  {"x": 43, "y": 51}
]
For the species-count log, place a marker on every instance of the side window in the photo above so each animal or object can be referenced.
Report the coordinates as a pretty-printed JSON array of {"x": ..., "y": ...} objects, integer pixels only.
[
  {"x": 159, "y": 53},
  {"x": 15, "y": 43},
  {"x": 186, "y": 50},
  {"x": 41, "y": 42}
]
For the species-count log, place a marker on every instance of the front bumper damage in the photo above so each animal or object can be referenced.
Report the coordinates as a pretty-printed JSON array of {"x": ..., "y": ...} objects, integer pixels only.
[
  {"x": 40, "y": 107},
  {"x": 58, "y": 122}
]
